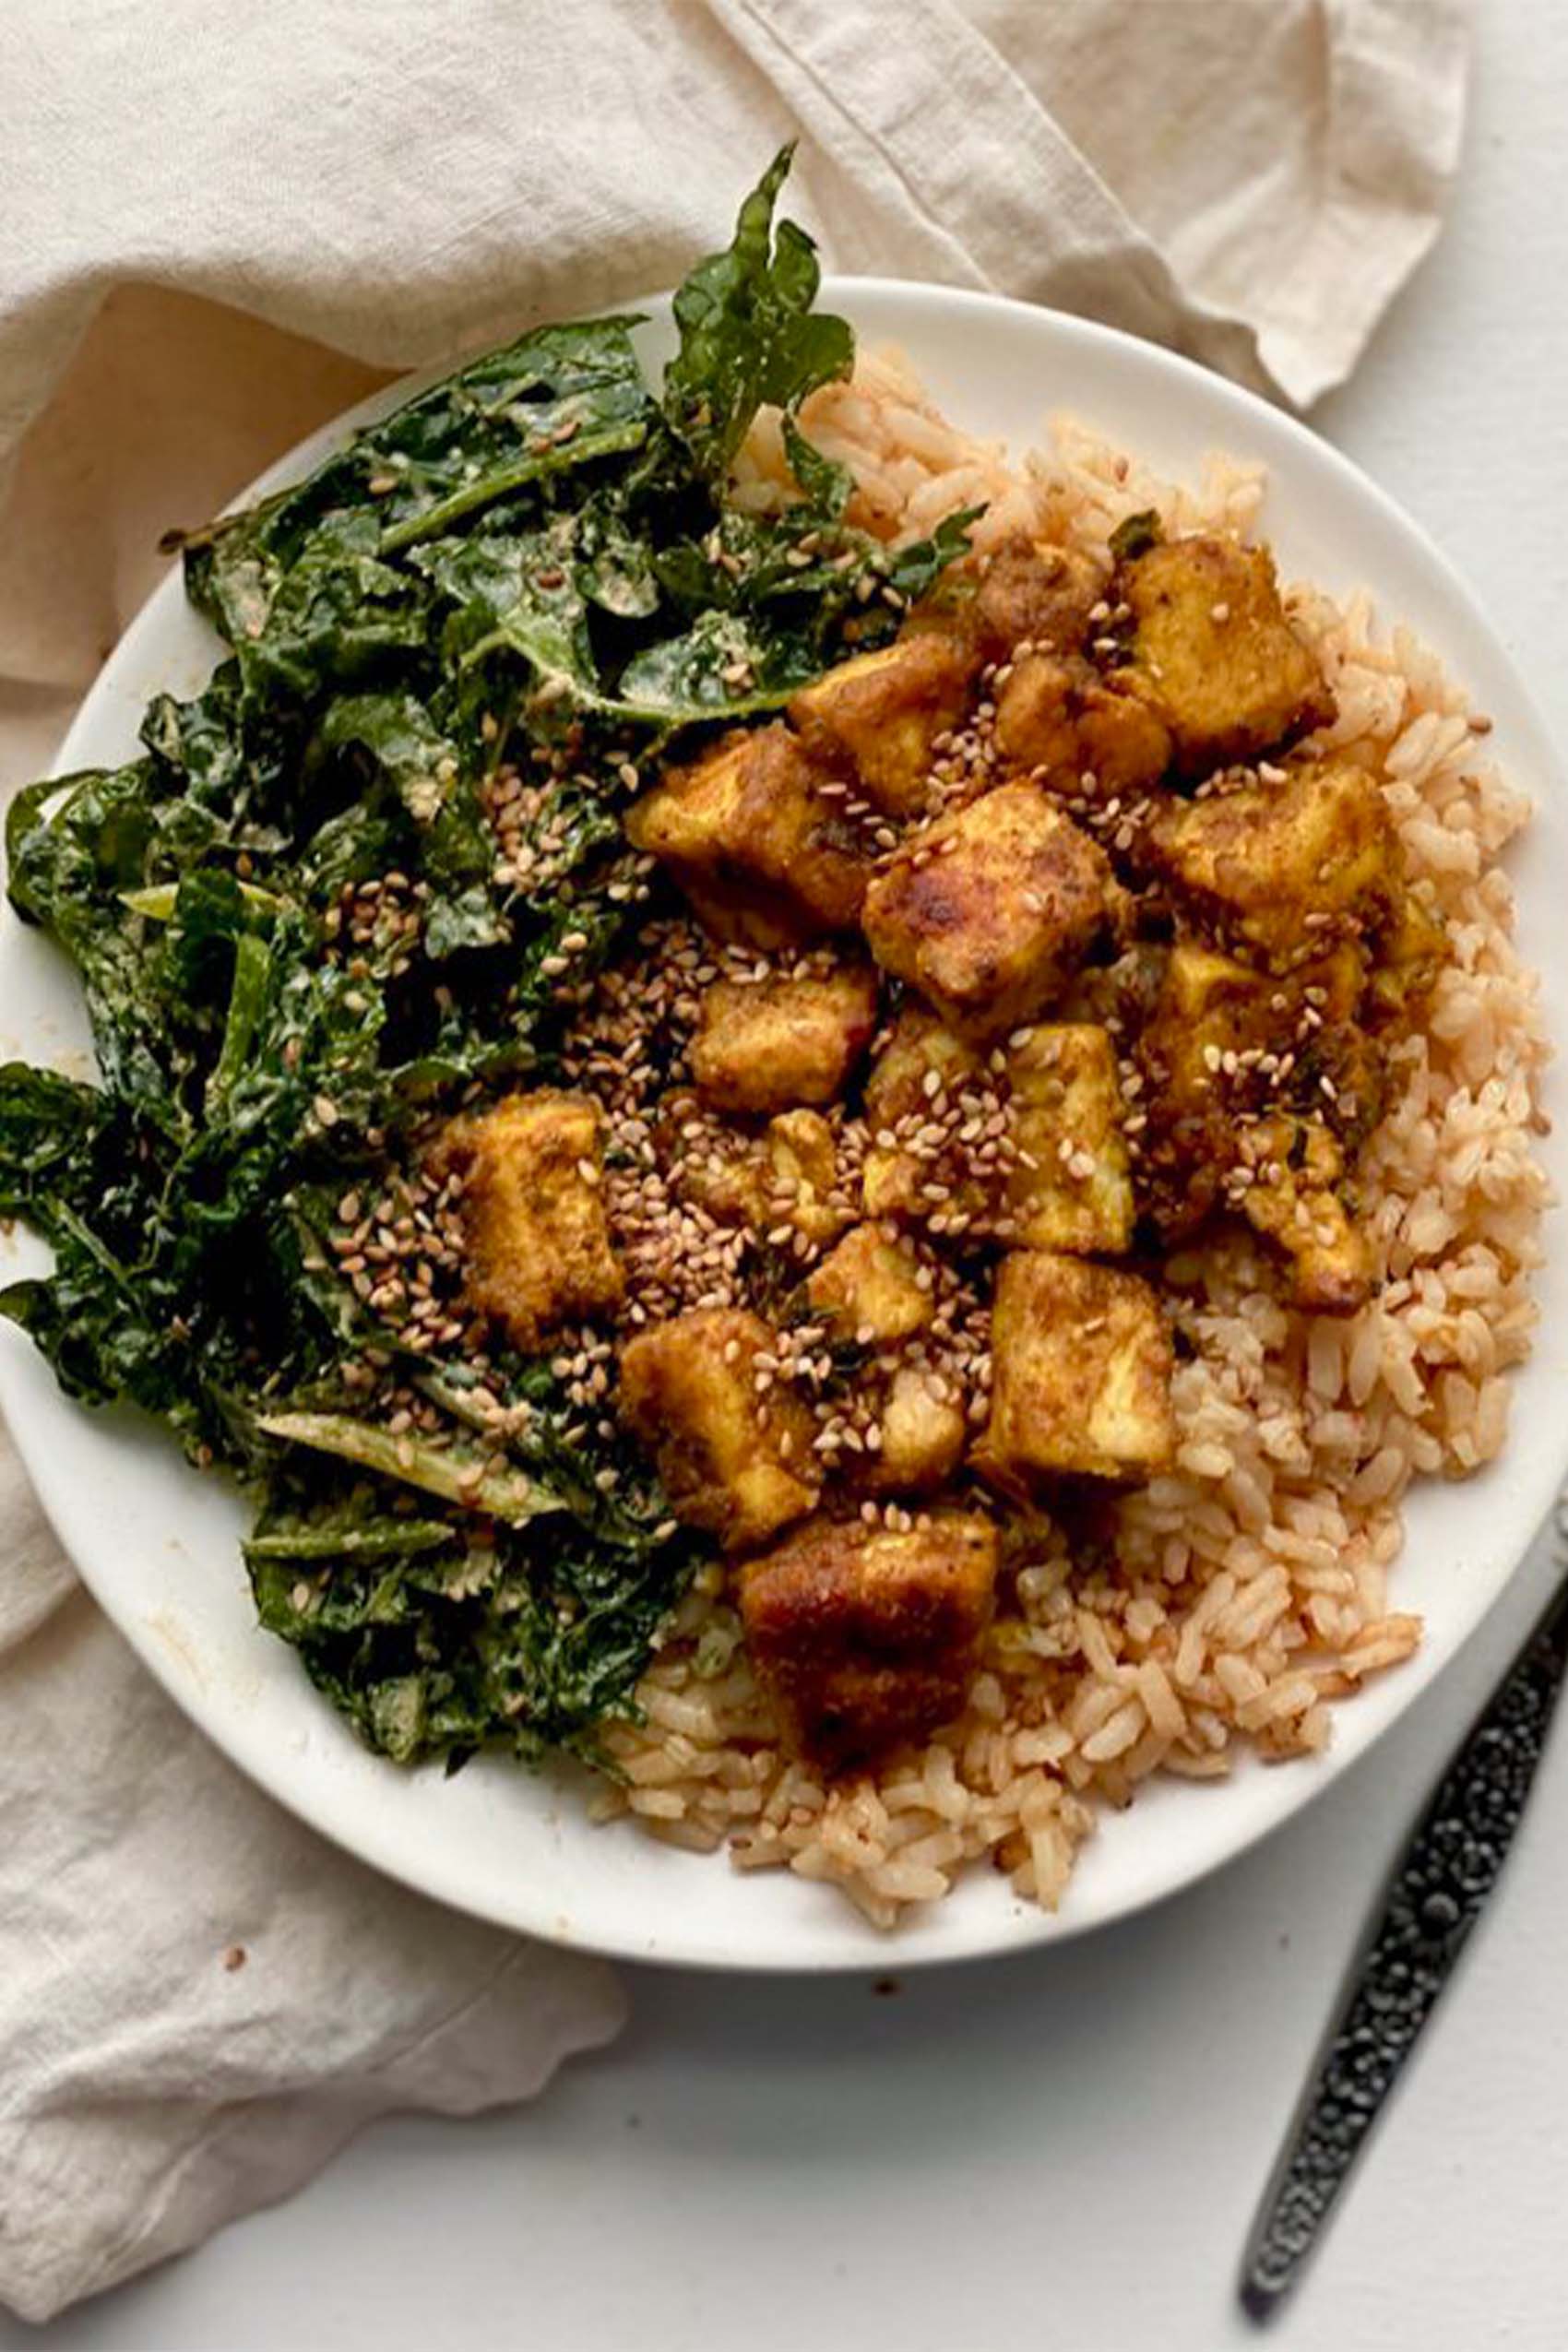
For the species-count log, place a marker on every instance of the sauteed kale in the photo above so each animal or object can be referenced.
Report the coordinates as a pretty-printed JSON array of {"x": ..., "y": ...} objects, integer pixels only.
[{"x": 311, "y": 917}]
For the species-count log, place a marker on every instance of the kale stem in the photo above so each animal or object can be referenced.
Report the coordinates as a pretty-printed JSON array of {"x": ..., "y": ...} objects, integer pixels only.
[{"x": 455, "y": 1474}]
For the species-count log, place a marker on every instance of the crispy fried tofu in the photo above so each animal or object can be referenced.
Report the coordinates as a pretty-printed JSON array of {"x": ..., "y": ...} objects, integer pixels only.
[
  {"x": 877, "y": 715},
  {"x": 863, "y": 1637},
  {"x": 869, "y": 1288},
  {"x": 1407, "y": 957},
  {"x": 1057, "y": 1176},
  {"x": 993, "y": 910},
  {"x": 1213, "y": 653},
  {"x": 922, "y": 1063},
  {"x": 1081, "y": 1383},
  {"x": 1032, "y": 593},
  {"x": 1070, "y": 1188},
  {"x": 1077, "y": 733},
  {"x": 1208, "y": 1006},
  {"x": 772, "y": 1044},
  {"x": 788, "y": 1176},
  {"x": 762, "y": 852},
  {"x": 733, "y": 1463},
  {"x": 1221, "y": 1043},
  {"x": 1278, "y": 871},
  {"x": 802, "y": 1158},
  {"x": 536, "y": 1240},
  {"x": 1256, "y": 1089},
  {"x": 923, "y": 1435},
  {"x": 1122, "y": 993},
  {"x": 1287, "y": 1186}
]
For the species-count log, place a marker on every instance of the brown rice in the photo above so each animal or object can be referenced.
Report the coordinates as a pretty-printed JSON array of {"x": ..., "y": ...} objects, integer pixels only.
[{"x": 1249, "y": 1586}]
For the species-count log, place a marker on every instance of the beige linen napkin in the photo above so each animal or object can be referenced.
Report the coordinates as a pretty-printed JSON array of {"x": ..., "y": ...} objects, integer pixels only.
[{"x": 219, "y": 226}]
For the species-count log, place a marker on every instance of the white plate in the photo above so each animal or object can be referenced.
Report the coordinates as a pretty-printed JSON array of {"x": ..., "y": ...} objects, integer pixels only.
[{"x": 157, "y": 1543}]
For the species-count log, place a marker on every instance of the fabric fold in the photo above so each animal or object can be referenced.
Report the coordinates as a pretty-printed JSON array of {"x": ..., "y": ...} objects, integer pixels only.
[{"x": 222, "y": 228}]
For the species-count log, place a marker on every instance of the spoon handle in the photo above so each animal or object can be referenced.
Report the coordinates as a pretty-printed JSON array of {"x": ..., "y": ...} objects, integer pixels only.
[{"x": 1434, "y": 1896}]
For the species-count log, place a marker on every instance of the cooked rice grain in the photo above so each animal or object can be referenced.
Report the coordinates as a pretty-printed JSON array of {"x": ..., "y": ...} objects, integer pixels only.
[{"x": 1251, "y": 1585}]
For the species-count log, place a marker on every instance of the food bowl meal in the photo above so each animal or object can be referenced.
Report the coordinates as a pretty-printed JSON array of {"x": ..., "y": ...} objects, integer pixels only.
[{"x": 827, "y": 1125}]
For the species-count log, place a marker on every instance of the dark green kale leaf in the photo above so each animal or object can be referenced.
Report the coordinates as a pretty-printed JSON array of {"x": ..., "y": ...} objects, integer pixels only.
[
  {"x": 1135, "y": 534},
  {"x": 73, "y": 847},
  {"x": 53, "y": 1136},
  {"x": 438, "y": 1634},
  {"x": 356, "y": 880},
  {"x": 556, "y": 399},
  {"x": 749, "y": 335}
]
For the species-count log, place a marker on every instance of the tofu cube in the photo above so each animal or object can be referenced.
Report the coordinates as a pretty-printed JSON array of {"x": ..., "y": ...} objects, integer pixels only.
[
  {"x": 764, "y": 854},
  {"x": 923, "y": 1435},
  {"x": 733, "y": 1463},
  {"x": 864, "y": 1638},
  {"x": 1070, "y": 1188},
  {"x": 869, "y": 1288},
  {"x": 923, "y": 1064},
  {"x": 803, "y": 1161},
  {"x": 1408, "y": 957},
  {"x": 789, "y": 1176},
  {"x": 772, "y": 1044},
  {"x": 1278, "y": 871},
  {"x": 1081, "y": 1380},
  {"x": 1058, "y": 1174},
  {"x": 1213, "y": 653},
  {"x": 1033, "y": 593},
  {"x": 1290, "y": 1171},
  {"x": 537, "y": 1249},
  {"x": 993, "y": 910},
  {"x": 1077, "y": 733},
  {"x": 876, "y": 717},
  {"x": 1228, "y": 1056}
]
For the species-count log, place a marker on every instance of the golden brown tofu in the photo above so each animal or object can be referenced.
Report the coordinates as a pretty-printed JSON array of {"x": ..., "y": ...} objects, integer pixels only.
[
  {"x": 768, "y": 1045},
  {"x": 732, "y": 1462},
  {"x": 1287, "y": 1185},
  {"x": 1032, "y": 593},
  {"x": 1054, "y": 1173},
  {"x": 864, "y": 1638},
  {"x": 876, "y": 717},
  {"x": 1119, "y": 995},
  {"x": 1213, "y": 653},
  {"x": 1223, "y": 1042},
  {"x": 1278, "y": 871},
  {"x": 923, "y": 1435},
  {"x": 1407, "y": 957},
  {"x": 1081, "y": 1383},
  {"x": 870, "y": 1289},
  {"x": 1076, "y": 734},
  {"x": 1256, "y": 1089},
  {"x": 536, "y": 1240},
  {"x": 788, "y": 1176},
  {"x": 764, "y": 854},
  {"x": 1070, "y": 1188},
  {"x": 923, "y": 1064},
  {"x": 994, "y": 909},
  {"x": 802, "y": 1159}
]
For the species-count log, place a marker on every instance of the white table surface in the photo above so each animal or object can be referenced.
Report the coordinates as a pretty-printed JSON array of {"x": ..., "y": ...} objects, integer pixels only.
[{"x": 1064, "y": 2149}]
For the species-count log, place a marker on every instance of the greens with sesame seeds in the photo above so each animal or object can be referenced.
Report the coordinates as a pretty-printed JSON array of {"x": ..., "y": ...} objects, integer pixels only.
[{"x": 356, "y": 881}]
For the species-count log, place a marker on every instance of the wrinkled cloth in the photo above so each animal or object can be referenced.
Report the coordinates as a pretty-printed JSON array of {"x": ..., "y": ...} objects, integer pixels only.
[
  {"x": 201, "y": 1999},
  {"x": 219, "y": 228}
]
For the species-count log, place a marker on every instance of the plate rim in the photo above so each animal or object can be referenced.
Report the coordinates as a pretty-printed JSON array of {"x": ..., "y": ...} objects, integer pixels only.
[{"x": 26, "y": 1382}]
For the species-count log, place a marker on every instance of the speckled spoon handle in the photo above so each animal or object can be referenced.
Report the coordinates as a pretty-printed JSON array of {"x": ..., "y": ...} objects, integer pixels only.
[{"x": 1433, "y": 1899}]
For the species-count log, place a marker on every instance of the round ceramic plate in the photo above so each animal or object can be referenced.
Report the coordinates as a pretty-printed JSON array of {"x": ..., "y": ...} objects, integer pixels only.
[{"x": 159, "y": 1544}]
